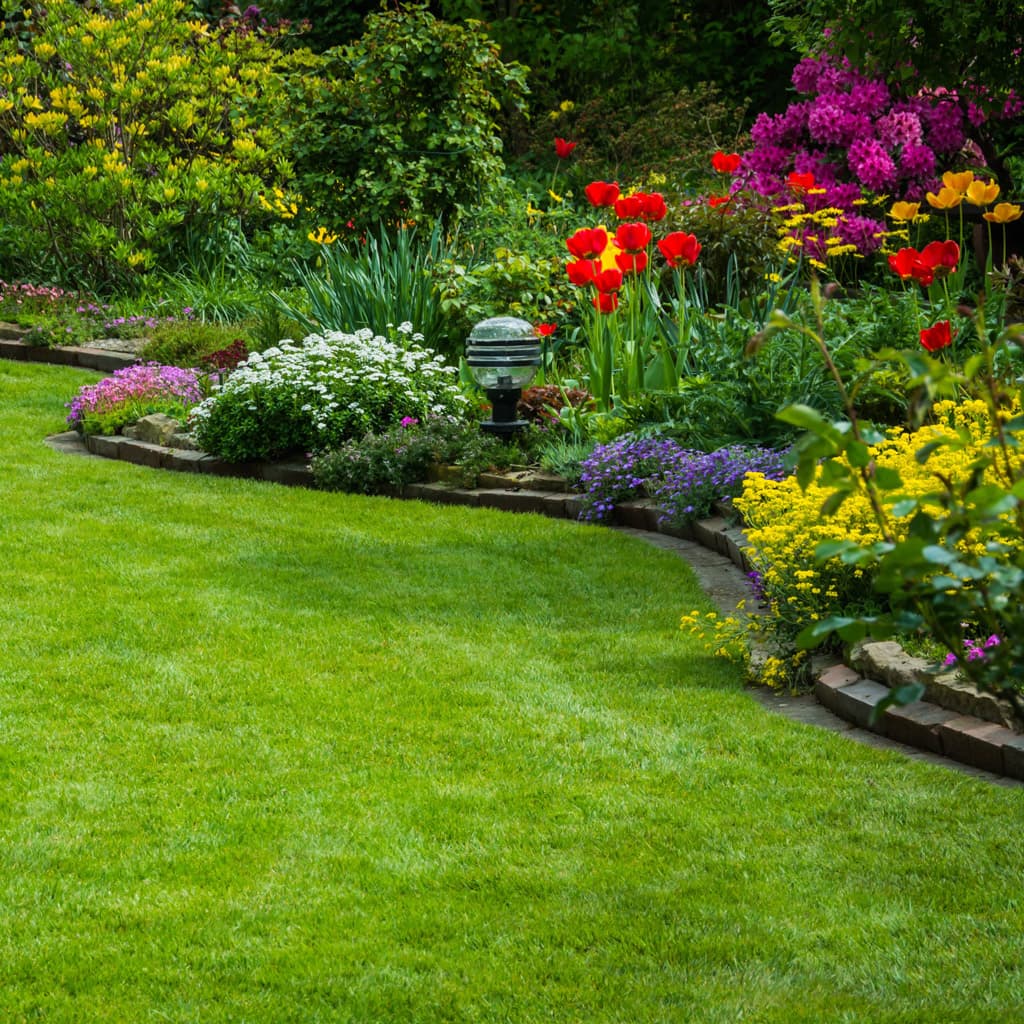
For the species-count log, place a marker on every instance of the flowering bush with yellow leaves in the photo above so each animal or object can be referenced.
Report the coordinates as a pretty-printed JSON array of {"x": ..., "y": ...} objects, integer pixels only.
[{"x": 122, "y": 125}]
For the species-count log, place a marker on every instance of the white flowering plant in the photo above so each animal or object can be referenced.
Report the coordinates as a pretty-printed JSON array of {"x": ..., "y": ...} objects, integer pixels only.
[{"x": 322, "y": 392}]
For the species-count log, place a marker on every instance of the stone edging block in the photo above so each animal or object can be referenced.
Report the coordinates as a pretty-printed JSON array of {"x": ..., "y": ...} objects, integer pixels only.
[{"x": 924, "y": 726}]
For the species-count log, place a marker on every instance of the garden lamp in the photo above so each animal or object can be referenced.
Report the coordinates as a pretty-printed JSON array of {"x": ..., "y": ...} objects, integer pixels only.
[{"x": 503, "y": 354}]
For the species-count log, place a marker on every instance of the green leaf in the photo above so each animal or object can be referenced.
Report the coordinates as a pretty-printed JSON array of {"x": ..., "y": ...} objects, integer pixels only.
[
  {"x": 887, "y": 478},
  {"x": 858, "y": 454},
  {"x": 806, "y": 418},
  {"x": 831, "y": 504},
  {"x": 899, "y": 696}
]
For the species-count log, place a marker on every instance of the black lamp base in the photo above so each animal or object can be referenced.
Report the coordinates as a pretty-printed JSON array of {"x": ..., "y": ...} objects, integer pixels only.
[{"x": 503, "y": 422}]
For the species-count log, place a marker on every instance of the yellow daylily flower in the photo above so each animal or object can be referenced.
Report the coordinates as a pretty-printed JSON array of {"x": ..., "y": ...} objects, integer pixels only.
[
  {"x": 981, "y": 193},
  {"x": 958, "y": 181},
  {"x": 947, "y": 199},
  {"x": 322, "y": 236},
  {"x": 904, "y": 211},
  {"x": 1003, "y": 213}
]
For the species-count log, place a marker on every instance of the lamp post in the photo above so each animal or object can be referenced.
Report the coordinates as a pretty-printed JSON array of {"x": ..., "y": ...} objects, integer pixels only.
[{"x": 503, "y": 354}]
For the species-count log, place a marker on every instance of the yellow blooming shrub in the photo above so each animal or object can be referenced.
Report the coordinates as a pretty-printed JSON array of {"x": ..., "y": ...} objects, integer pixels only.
[
  {"x": 785, "y": 525},
  {"x": 124, "y": 125}
]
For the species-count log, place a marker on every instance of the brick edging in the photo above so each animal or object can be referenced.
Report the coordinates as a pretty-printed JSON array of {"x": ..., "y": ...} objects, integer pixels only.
[{"x": 69, "y": 355}]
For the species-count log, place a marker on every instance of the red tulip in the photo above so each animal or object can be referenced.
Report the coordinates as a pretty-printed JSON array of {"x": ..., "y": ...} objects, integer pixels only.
[
  {"x": 630, "y": 207},
  {"x": 680, "y": 249},
  {"x": 631, "y": 262},
  {"x": 608, "y": 280},
  {"x": 606, "y": 302},
  {"x": 655, "y": 207},
  {"x": 907, "y": 263},
  {"x": 642, "y": 206},
  {"x": 602, "y": 193},
  {"x": 544, "y": 330},
  {"x": 714, "y": 201},
  {"x": 726, "y": 163},
  {"x": 800, "y": 182},
  {"x": 937, "y": 337},
  {"x": 633, "y": 237},
  {"x": 581, "y": 272},
  {"x": 563, "y": 149},
  {"x": 944, "y": 256},
  {"x": 587, "y": 243}
]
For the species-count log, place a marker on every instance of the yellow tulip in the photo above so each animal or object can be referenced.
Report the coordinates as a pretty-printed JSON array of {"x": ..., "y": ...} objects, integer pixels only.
[
  {"x": 1003, "y": 213},
  {"x": 947, "y": 199},
  {"x": 904, "y": 211},
  {"x": 981, "y": 193},
  {"x": 958, "y": 181}
]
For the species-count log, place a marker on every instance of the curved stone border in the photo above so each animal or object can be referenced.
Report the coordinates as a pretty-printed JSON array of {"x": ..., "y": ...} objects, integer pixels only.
[
  {"x": 85, "y": 358},
  {"x": 847, "y": 692}
]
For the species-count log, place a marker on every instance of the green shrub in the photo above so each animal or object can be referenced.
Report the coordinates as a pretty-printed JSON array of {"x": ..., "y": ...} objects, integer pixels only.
[
  {"x": 320, "y": 393},
  {"x": 400, "y": 125},
  {"x": 161, "y": 123},
  {"x": 385, "y": 462},
  {"x": 188, "y": 343}
]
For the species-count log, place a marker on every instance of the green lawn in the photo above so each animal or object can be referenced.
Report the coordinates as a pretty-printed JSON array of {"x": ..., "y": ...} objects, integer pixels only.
[{"x": 270, "y": 755}]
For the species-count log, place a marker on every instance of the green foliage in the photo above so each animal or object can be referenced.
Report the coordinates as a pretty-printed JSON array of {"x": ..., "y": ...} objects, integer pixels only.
[
  {"x": 384, "y": 463},
  {"x": 634, "y": 52},
  {"x": 189, "y": 343},
  {"x": 664, "y": 141},
  {"x": 390, "y": 277},
  {"x": 162, "y": 123},
  {"x": 401, "y": 124}
]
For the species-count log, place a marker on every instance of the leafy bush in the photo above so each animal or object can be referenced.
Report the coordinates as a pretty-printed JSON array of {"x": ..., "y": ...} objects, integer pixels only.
[
  {"x": 542, "y": 403},
  {"x": 321, "y": 393},
  {"x": 120, "y": 125},
  {"x": 133, "y": 392},
  {"x": 189, "y": 343},
  {"x": 385, "y": 462},
  {"x": 401, "y": 125}
]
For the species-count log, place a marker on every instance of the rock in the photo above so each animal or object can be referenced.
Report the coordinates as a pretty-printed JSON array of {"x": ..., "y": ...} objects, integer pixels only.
[
  {"x": 156, "y": 428},
  {"x": 183, "y": 441}
]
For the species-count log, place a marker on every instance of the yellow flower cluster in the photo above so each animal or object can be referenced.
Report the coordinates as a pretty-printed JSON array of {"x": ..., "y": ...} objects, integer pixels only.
[
  {"x": 720, "y": 637},
  {"x": 284, "y": 206},
  {"x": 784, "y": 525}
]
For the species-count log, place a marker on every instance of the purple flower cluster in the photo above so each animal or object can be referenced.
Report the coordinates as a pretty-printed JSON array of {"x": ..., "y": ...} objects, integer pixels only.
[
  {"x": 688, "y": 490},
  {"x": 853, "y": 130},
  {"x": 622, "y": 470},
  {"x": 126, "y": 326},
  {"x": 132, "y": 385},
  {"x": 973, "y": 650},
  {"x": 684, "y": 483}
]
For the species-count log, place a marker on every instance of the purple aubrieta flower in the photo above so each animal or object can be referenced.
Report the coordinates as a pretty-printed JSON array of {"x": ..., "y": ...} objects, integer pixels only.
[{"x": 134, "y": 383}]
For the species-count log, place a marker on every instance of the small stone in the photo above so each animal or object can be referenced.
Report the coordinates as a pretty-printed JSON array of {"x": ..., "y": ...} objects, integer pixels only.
[{"x": 157, "y": 428}]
